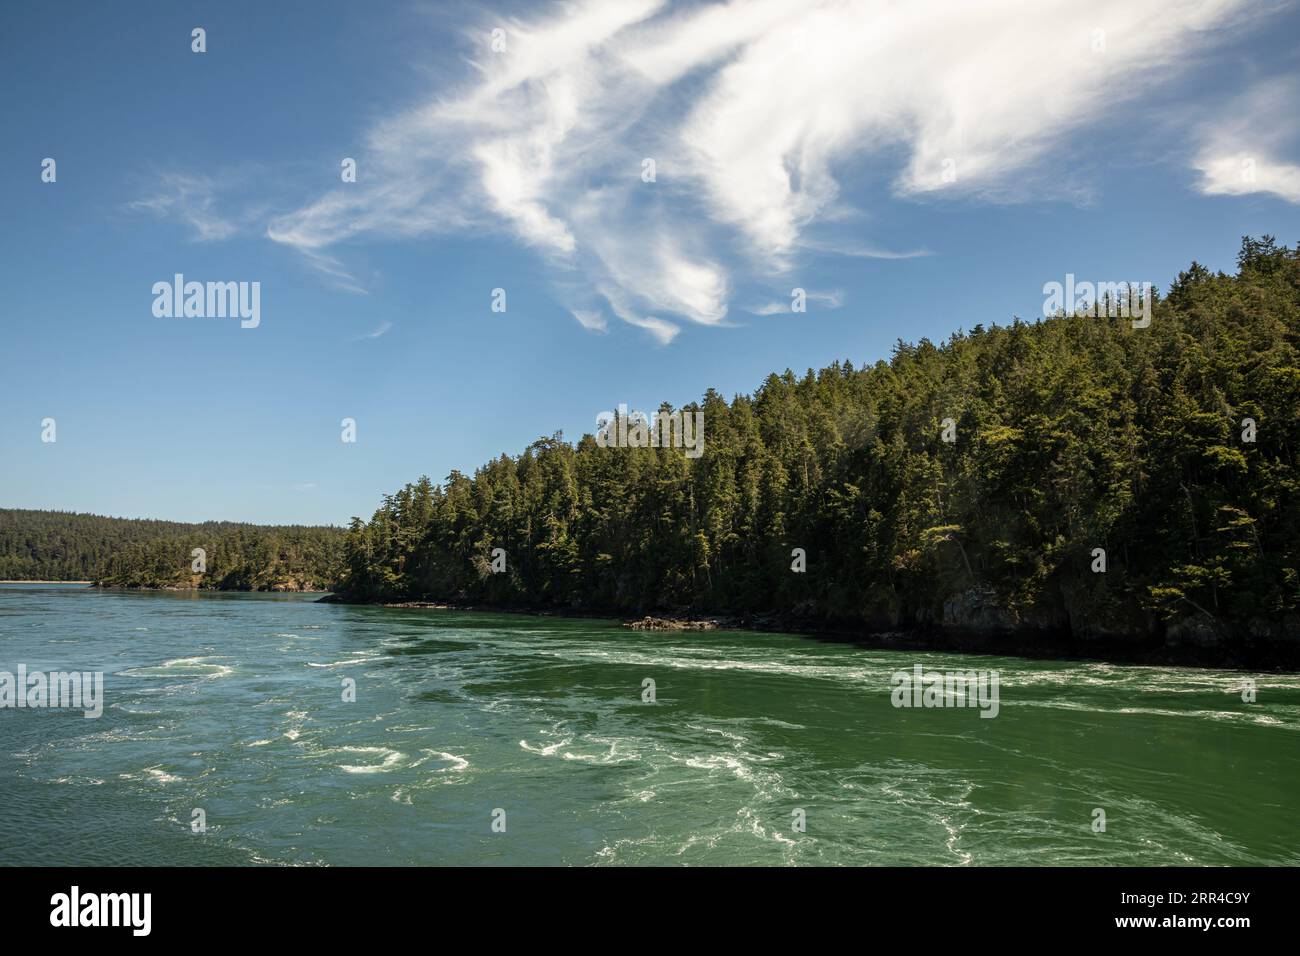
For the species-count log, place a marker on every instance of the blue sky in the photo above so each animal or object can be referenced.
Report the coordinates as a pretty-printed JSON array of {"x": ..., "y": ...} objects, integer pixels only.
[{"x": 796, "y": 144}]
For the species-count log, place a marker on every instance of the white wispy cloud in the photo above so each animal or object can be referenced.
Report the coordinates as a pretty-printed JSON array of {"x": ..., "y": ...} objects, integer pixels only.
[
  {"x": 859, "y": 250},
  {"x": 751, "y": 110},
  {"x": 382, "y": 329},
  {"x": 662, "y": 332},
  {"x": 590, "y": 319},
  {"x": 193, "y": 200},
  {"x": 334, "y": 271},
  {"x": 1242, "y": 149},
  {"x": 831, "y": 300}
]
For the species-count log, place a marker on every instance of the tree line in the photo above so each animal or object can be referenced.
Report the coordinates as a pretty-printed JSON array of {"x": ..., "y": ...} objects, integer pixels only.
[
  {"x": 1073, "y": 473},
  {"x": 140, "y": 553}
]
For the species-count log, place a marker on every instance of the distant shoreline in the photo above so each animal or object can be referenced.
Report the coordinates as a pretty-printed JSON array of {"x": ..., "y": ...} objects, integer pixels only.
[
  {"x": 179, "y": 589},
  {"x": 29, "y": 581},
  {"x": 110, "y": 587}
]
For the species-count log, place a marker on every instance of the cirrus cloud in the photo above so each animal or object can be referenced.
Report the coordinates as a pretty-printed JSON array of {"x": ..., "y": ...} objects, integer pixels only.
[{"x": 750, "y": 110}]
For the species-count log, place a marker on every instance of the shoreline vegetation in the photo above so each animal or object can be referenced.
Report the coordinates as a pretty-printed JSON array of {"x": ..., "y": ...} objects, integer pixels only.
[
  {"x": 1081, "y": 482},
  {"x": 1075, "y": 486},
  {"x": 58, "y": 546},
  {"x": 35, "y": 581}
]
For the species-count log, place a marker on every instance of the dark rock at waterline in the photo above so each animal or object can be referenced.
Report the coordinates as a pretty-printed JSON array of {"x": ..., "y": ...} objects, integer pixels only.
[
  {"x": 974, "y": 624},
  {"x": 648, "y": 623}
]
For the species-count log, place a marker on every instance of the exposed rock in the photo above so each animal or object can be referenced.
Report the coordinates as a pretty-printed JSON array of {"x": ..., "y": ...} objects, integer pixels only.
[
  {"x": 648, "y": 623},
  {"x": 978, "y": 609},
  {"x": 1199, "y": 629}
]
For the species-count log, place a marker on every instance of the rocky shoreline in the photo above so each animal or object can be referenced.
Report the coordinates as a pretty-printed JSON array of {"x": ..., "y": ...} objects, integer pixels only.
[
  {"x": 1178, "y": 648},
  {"x": 275, "y": 589},
  {"x": 649, "y": 623},
  {"x": 1142, "y": 650}
]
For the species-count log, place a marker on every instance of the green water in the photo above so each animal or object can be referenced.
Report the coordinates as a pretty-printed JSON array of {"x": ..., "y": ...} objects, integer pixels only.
[{"x": 233, "y": 704}]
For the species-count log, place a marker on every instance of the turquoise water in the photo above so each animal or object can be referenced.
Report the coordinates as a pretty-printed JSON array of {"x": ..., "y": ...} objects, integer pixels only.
[{"x": 232, "y": 703}]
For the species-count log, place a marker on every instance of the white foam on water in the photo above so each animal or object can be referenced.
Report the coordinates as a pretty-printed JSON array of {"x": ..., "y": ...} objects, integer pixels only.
[
  {"x": 458, "y": 764},
  {"x": 723, "y": 762},
  {"x": 1224, "y": 716},
  {"x": 605, "y": 758},
  {"x": 610, "y": 852},
  {"x": 198, "y": 667},
  {"x": 150, "y": 774},
  {"x": 297, "y": 718},
  {"x": 136, "y": 711},
  {"x": 388, "y": 761},
  {"x": 549, "y": 750},
  {"x": 455, "y": 765},
  {"x": 349, "y": 662},
  {"x": 954, "y": 834}
]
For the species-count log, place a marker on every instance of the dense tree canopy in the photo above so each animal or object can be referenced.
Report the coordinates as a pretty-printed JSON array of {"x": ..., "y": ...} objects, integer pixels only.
[
  {"x": 125, "y": 552},
  {"x": 1071, "y": 434}
]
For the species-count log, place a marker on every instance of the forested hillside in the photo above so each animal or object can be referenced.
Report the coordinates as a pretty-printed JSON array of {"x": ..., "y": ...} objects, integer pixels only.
[
  {"x": 126, "y": 552},
  {"x": 1071, "y": 434}
]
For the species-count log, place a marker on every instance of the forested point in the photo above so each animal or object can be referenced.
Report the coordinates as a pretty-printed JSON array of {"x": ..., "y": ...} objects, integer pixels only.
[
  {"x": 139, "y": 553},
  {"x": 1102, "y": 481}
]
